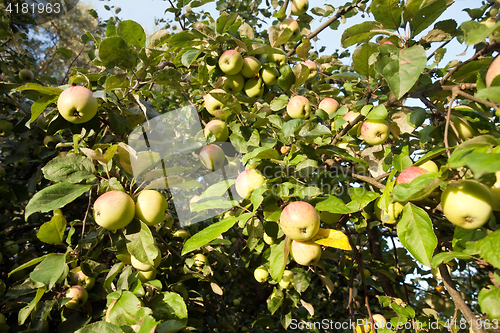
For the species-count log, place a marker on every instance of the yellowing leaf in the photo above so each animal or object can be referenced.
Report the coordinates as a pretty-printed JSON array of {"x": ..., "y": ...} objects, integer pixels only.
[{"x": 332, "y": 238}]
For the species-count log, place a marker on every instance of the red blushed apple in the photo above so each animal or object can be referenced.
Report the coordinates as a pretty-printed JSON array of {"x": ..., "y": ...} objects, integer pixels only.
[
  {"x": 375, "y": 131},
  {"x": 298, "y": 107},
  {"x": 313, "y": 68},
  {"x": 77, "y": 104},
  {"x": 212, "y": 157},
  {"x": 329, "y": 105},
  {"x": 114, "y": 210},
  {"x": 305, "y": 252},
  {"x": 299, "y": 221},
  {"x": 78, "y": 296},
  {"x": 248, "y": 181},
  {"x": 407, "y": 175},
  {"x": 387, "y": 42},
  {"x": 291, "y": 24},
  {"x": 350, "y": 116},
  {"x": 231, "y": 62},
  {"x": 493, "y": 71}
]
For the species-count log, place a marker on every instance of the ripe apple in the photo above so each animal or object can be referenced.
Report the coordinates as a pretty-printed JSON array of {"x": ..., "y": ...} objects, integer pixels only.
[
  {"x": 200, "y": 260},
  {"x": 299, "y": 221},
  {"x": 390, "y": 214},
  {"x": 299, "y": 7},
  {"x": 269, "y": 75},
  {"x": 114, "y": 210},
  {"x": 214, "y": 106},
  {"x": 493, "y": 71},
  {"x": 329, "y": 218},
  {"x": 248, "y": 181},
  {"x": 78, "y": 296},
  {"x": 495, "y": 193},
  {"x": 348, "y": 117},
  {"x": 145, "y": 276},
  {"x": 305, "y": 252},
  {"x": 77, "y": 277},
  {"x": 5, "y": 128},
  {"x": 463, "y": 128},
  {"x": 254, "y": 87},
  {"x": 278, "y": 58},
  {"x": 375, "y": 132},
  {"x": 429, "y": 166},
  {"x": 218, "y": 128},
  {"x": 291, "y": 24},
  {"x": 313, "y": 68},
  {"x": 51, "y": 141},
  {"x": 329, "y": 105},
  {"x": 467, "y": 204},
  {"x": 407, "y": 175},
  {"x": 261, "y": 274},
  {"x": 2, "y": 172},
  {"x": 231, "y": 62},
  {"x": 387, "y": 42},
  {"x": 26, "y": 75},
  {"x": 77, "y": 104},
  {"x": 233, "y": 84},
  {"x": 212, "y": 157},
  {"x": 298, "y": 107},
  {"x": 140, "y": 266},
  {"x": 150, "y": 207},
  {"x": 251, "y": 66}
]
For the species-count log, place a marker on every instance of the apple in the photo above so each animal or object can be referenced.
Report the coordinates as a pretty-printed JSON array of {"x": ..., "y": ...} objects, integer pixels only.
[
  {"x": 76, "y": 276},
  {"x": 26, "y": 75},
  {"x": 305, "y": 252},
  {"x": 77, "y": 104},
  {"x": 200, "y": 260},
  {"x": 169, "y": 220},
  {"x": 78, "y": 296},
  {"x": 277, "y": 58},
  {"x": 299, "y": 7},
  {"x": 407, "y": 175},
  {"x": 248, "y": 181},
  {"x": 145, "y": 276},
  {"x": 467, "y": 204},
  {"x": 2, "y": 172},
  {"x": 349, "y": 117},
  {"x": 267, "y": 110},
  {"x": 375, "y": 132},
  {"x": 233, "y": 84},
  {"x": 3, "y": 287},
  {"x": 181, "y": 234},
  {"x": 285, "y": 284},
  {"x": 298, "y": 107},
  {"x": 261, "y": 274},
  {"x": 11, "y": 247},
  {"x": 366, "y": 327},
  {"x": 268, "y": 239},
  {"x": 254, "y": 88},
  {"x": 387, "y": 42},
  {"x": 390, "y": 214},
  {"x": 5, "y": 128},
  {"x": 285, "y": 149},
  {"x": 51, "y": 141},
  {"x": 150, "y": 207},
  {"x": 251, "y": 66},
  {"x": 291, "y": 24},
  {"x": 231, "y": 62},
  {"x": 326, "y": 67},
  {"x": 287, "y": 275},
  {"x": 329, "y": 218},
  {"x": 21, "y": 164},
  {"x": 214, "y": 106},
  {"x": 429, "y": 166},
  {"x": 495, "y": 193},
  {"x": 492, "y": 71},
  {"x": 114, "y": 210},
  {"x": 299, "y": 221},
  {"x": 313, "y": 68},
  {"x": 212, "y": 157},
  {"x": 140, "y": 266},
  {"x": 463, "y": 128},
  {"x": 269, "y": 75},
  {"x": 218, "y": 128},
  {"x": 237, "y": 301},
  {"x": 329, "y": 105}
]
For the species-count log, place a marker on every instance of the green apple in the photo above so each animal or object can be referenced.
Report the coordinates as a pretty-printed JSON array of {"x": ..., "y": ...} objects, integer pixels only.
[
  {"x": 114, "y": 210},
  {"x": 299, "y": 7},
  {"x": 291, "y": 24},
  {"x": 390, "y": 214},
  {"x": 218, "y": 128},
  {"x": 26, "y": 75},
  {"x": 214, "y": 106},
  {"x": 349, "y": 117},
  {"x": 77, "y": 104},
  {"x": 140, "y": 266},
  {"x": 329, "y": 105},
  {"x": 305, "y": 252},
  {"x": 233, "y": 84},
  {"x": 278, "y": 58},
  {"x": 21, "y": 164},
  {"x": 5, "y": 128},
  {"x": 375, "y": 131},
  {"x": 237, "y": 301},
  {"x": 212, "y": 157},
  {"x": 467, "y": 204},
  {"x": 287, "y": 275},
  {"x": 313, "y": 68},
  {"x": 492, "y": 71},
  {"x": 2, "y": 172},
  {"x": 366, "y": 327},
  {"x": 200, "y": 260},
  {"x": 254, "y": 87},
  {"x": 145, "y": 276},
  {"x": 261, "y": 274},
  {"x": 151, "y": 207},
  {"x": 298, "y": 107},
  {"x": 269, "y": 75},
  {"x": 299, "y": 221},
  {"x": 268, "y": 239},
  {"x": 77, "y": 277},
  {"x": 11, "y": 247},
  {"x": 495, "y": 193},
  {"x": 407, "y": 175},
  {"x": 248, "y": 181},
  {"x": 181, "y": 234},
  {"x": 285, "y": 284},
  {"x": 429, "y": 166},
  {"x": 329, "y": 218},
  {"x": 463, "y": 128},
  {"x": 231, "y": 62},
  {"x": 169, "y": 220},
  {"x": 251, "y": 66},
  {"x": 51, "y": 141},
  {"x": 78, "y": 296}
]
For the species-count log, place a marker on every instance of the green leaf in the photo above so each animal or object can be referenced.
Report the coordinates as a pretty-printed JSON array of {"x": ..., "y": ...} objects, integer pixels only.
[
  {"x": 54, "y": 196},
  {"x": 492, "y": 94},
  {"x": 403, "y": 311},
  {"x": 275, "y": 300},
  {"x": 489, "y": 301},
  {"x": 116, "y": 82},
  {"x": 52, "y": 232},
  {"x": 40, "y": 105},
  {"x": 70, "y": 168},
  {"x": 279, "y": 34},
  {"x": 481, "y": 164},
  {"x": 285, "y": 81},
  {"x": 112, "y": 274},
  {"x": 141, "y": 243},
  {"x": 171, "y": 309},
  {"x": 416, "y": 234},
  {"x": 114, "y": 51},
  {"x": 208, "y": 234},
  {"x": 224, "y": 22},
  {"x": 387, "y": 12},
  {"x": 475, "y": 32},
  {"x": 361, "y": 33},
  {"x": 301, "y": 73},
  {"x": 25, "y": 311},
  {"x": 380, "y": 112},
  {"x": 132, "y": 32},
  {"x": 40, "y": 89},
  {"x": 28, "y": 264},
  {"x": 186, "y": 38},
  {"x": 261, "y": 153},
  {"x": 364, "y": 58},
  {"x": 100, "y": 327},
  {"x": 277, "y": 260},
  {"x": 427, "y": 14},
  {"x": 488, "y": 248},
  {"x": 125, "y": 310},
  {"x": 420, "y": 188},
  {"x": 279, "y": 103},
  {"x": 445, "y": 257},
  {"x": 401, "y": 67},
  {"x": 291, "y": 126},
  {"x": 189, "y": 56},
  {"x": 51, "y": 270}
]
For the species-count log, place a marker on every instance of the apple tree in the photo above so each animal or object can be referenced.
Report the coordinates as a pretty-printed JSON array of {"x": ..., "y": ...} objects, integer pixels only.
[{"x": 359, "y": 191}]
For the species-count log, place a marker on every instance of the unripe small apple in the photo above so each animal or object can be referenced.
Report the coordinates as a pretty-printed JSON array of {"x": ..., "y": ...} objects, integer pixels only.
[
  {"x": 305, "y": 252},
  {"x": 145, "y": 276},
  {"x": 299, "y": 7},
  {"x": 78, "y": 296},
  {"x": 76, "y": 276},
  {"x": 291, "y": 24},
  {"x": 329, "y": 218},
  {"x": 495, "y": 193},
  {"x": 268, "y": 239},
  {"x": 150, "y": 207},
  {"x": 77, "y": 104},
  {"x": 212, "y": 157},
  {"x": 278, "y": 58},
  {"x": 200, "y": 260},
  {"x": 114, "y": 210},
  {"x": 298, "y": 107},
  {"x": 407, "y": 175},
  {"x": 285, "y": 149},
  {"x": 237, "y": 301},
  {"x": 287, "y": 275},
  {"x": 218, "y": 128},
  {"x": 26, "y": 75},
  {"x": 5, "y": 128},
  {"x": 214, "y": 106},
  {"x": 251, "y": 66},
  {"x": 11, "y": 247},
  {"x": 390, "y": 214},
  {"x": 254, "y": 87},
  {"x": 231, "y": 62},
  {"x": 269, "y": 75},
  {"x": 388, "y": 42},
  {"x": 21, "y": 164},
  {"x": 181, "y": 234},
  {"x": 329, "y": 105},
  {"x": 248, "y": 181},
  {"x": 261, "y": 274},
  {"x": 300, "y": 221},
  {"x": 375, "y": 131},
  {"x": 463, "y": 128}
]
